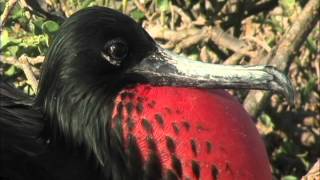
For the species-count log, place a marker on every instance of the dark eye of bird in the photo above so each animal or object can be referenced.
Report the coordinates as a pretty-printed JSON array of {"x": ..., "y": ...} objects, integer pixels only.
[{"x": 115, "y": 51}]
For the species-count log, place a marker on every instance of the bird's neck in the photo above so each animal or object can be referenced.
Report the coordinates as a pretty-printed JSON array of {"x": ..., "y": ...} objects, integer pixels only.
[{"x": 79, "y": 118}]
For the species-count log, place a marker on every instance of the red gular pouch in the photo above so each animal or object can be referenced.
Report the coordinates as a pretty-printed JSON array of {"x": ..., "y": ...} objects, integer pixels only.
[{"x": 191, "y": 133}]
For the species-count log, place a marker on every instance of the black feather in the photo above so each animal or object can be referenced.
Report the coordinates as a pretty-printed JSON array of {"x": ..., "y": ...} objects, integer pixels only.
[
  {"x": 20, "y": 129},
  {"x": 26, "y": 153},
  {"x": 65, "y": 131}
]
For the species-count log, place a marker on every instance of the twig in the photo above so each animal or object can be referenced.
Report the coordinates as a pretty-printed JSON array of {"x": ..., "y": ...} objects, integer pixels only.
[
  {"x": 159, "y": 32},
  {"x": 25, "y": 66},
  {"x": 14, "y": 61},
  {"x": 193, "y": 39},
  {"x": 24, "y": 63},
  {"x": 186, "y": 37},
  {"x": 262, "y": 44},
  {"x": 203, "y": 54},
  {"x": 287, "y": 46},
  {"x": 188, "y": 34},
  {"x": 36, "y": 60},
  {"x": 4, "y": 16},
  {"x": 173, "y": 17},
  {"x": 226, "y": 40},
  {"x": 233, "y": 59},
  {"x": 184, "y": 17},
  {"x": 64, "y": 7}
]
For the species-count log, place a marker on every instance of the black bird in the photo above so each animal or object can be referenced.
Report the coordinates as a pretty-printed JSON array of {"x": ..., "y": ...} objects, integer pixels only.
[{"x": 101, "y": 111}]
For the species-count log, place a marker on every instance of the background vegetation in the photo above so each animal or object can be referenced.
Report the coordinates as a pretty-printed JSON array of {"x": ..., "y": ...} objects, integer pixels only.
[{"x": 216, "y": 31}]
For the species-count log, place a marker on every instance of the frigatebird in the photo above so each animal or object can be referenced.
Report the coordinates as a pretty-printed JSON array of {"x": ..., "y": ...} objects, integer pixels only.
[{"x": 112, "y": 104}]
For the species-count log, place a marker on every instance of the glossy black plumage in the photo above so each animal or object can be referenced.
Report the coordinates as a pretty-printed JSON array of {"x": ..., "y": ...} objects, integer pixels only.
[{"x": 25, "y": 153}]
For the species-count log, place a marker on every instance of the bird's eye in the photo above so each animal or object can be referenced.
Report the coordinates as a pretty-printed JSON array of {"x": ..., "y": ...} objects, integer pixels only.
[{"x": 115, "y": 51}]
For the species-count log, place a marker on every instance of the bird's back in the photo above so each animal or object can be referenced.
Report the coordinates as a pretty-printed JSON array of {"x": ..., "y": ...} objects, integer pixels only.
[
  {"x": 20, "y": 126},
  {"x": 25, "y": 153}
]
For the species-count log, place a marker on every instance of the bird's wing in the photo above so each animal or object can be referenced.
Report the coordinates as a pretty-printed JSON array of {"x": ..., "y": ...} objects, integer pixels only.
[
  {"x": 24, "y": 154},
  {"x": 20, "y": 128}
]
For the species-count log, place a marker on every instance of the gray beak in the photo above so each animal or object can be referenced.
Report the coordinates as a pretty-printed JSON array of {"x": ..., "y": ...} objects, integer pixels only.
[{"x": 165, "y": 68}]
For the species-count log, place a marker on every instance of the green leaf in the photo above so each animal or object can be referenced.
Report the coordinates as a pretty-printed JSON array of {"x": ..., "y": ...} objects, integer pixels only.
[
  {"x": 309, "y": 87},
  {"x": 276, "y": 25},
  {"x": 28, "y": 90},
  {"x": 47, "y": 40},
  {"x": 8, "y": 39},
  {"x": 288, "y": 6},
  {"x": 304, "y": 159},
  {"x": 4, "y": 38},
  {"x": 32, "y": 27},
  {"x": 312, "y": 45},
  {"x": 33, "y": 41},
  {"x": 289, "y": 177},
  {"x": 88, "y": 3},
  {"x": 17, "y": 13},
  {"x": 10, "y": 71},
  {"x": 163, "y": 5},
  {"x": 267, "y": 120},
  {"x": 137, "y": 15},
  {"x": 50, "y": 27},
  {"x": 287, "y": 3},
  {"x": 194, "y": 56},
  {"x": 12, "y": 50},
  {"x": 38, "y": 26}
]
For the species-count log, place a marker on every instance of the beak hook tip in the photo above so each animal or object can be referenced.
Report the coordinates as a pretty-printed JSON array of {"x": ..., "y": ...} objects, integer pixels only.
[{"x": 284, "y": 83}]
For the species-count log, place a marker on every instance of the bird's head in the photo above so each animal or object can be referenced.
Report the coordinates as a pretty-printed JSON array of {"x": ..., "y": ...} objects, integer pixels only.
[
  {"x": 96, "y": 45},
  {"x": 100, "y": 51}
]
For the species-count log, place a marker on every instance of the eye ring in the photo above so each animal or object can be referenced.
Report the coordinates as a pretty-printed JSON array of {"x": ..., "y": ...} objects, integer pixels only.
[{"x": 115, "y": 51}]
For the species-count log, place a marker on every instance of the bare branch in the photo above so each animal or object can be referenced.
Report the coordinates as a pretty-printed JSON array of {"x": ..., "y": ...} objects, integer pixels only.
[
  {"x": 226, "y": 40},
  {"x": 185, "y": 18},
  {"x": 24, "y": 63},
  {"x": 287, "y": 46},
  {"x": 260, "y": 43},
  {"x": 186, "y": 37},
  {"x": 31, "y": 79},
  {"x": 4, "y": 16},
  {"x": 233, "y": 59}
]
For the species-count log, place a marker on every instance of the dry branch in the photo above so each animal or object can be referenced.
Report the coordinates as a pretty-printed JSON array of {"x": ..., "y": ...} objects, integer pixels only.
[
  {"x": 24, "y": 63},
  {"x": 4, "y": 16},
  {"x": 186, "y": 37},
  {"x": 233, "y": 59},
  {"x": 286, "y": 48},
  {"x": 185, "y": 18},
  {"x": 226, "y": 40}
]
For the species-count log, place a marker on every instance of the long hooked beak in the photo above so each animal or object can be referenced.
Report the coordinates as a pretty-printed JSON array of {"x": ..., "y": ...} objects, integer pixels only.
[{"x": 163, "y": 67}]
